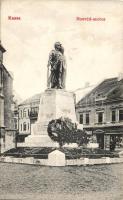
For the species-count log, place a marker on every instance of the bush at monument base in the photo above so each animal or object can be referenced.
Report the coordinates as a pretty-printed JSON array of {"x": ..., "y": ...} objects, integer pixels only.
[{"x": 64, "y": 131}]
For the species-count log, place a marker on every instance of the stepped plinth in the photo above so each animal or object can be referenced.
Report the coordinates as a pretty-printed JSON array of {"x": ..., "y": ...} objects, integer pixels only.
[{"x": 54, "y": 103}]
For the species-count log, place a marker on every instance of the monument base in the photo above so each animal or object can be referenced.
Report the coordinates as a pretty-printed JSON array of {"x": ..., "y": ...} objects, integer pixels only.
[
  {"x": 54, "y": 104},
  {"x": 40, "y": 141}
]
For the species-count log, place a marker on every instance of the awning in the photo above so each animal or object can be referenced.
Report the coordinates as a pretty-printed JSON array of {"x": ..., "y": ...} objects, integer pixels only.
[
  {"x": 114, "y": 133},
  {"x": 23, "y": 134},
  {"x": 98, "y": 131}
]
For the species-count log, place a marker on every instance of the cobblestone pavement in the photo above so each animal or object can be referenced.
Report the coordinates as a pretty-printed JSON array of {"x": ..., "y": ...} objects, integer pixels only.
[{"x": 101, "y": 182}]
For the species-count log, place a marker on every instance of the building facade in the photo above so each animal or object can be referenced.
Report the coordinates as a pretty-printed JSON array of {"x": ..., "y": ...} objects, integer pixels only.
[
  {"x": 101, "y": 113},
  {"x": 28, "y": 114},
  {"x": 7, "y": 132}
]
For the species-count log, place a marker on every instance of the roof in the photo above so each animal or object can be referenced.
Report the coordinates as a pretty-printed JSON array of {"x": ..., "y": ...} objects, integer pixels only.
[
  {"x": 32, "y": 99},
  {"x": 6, "y": 71},
  {"x": 82, "y": 92},
  {"x": 2, "y": 48},
  {"x": 117, "y": 92},
  {"x": 106, "y": 85},
  {"x": 104, "y": 90}
]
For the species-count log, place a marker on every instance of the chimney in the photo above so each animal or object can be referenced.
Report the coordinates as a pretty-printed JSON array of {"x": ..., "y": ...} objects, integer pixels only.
[
  {"x": 120, "y": 77},
  {"x": 87, "y": 84}
]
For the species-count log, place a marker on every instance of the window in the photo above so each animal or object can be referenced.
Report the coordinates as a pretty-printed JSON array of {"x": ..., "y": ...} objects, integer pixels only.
[
  {"x": 24, "y": 112},
  {"x": 100, "y": 117},
  {"x": 21, "y": 127},
  {"x": 28, "y": 112},
  {"x": 21, "y": 114},
  {"x": 28, "y": 126},
  {"x": 113, "y": 115},
  {"x": 87, "y": 118},
  {"x": 81, "y": 119},
  {"x": 120, "y": 115},
  {"x": 34, "y": 110},
  {"x": 24, "y": 126},
  {"x": 15, "y": 123}
]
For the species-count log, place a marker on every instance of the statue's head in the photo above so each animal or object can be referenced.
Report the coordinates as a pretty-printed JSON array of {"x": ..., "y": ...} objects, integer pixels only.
[{"x": 58, "y": 46}]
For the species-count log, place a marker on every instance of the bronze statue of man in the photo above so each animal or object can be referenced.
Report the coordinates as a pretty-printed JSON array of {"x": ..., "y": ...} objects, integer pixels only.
[{"x": 57, "y": 65}]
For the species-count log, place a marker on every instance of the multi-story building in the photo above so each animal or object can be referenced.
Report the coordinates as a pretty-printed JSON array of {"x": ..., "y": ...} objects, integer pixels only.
[
  {"x": 101, "y": 112},
  {"x": 7, "y": 132},
  {"x": 28, "y": 113}
]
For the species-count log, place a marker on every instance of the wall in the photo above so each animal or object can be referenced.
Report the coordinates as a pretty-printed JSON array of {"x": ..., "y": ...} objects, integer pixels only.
[
  {"x": 1, "y": 111},
  {"x": 8, "y": 100},
  {"x": 76, "y": 162},
  {"x": 7, "y": 134},
  {"x": 106, "y": 109},
  {"x": 1, "y": 93}
]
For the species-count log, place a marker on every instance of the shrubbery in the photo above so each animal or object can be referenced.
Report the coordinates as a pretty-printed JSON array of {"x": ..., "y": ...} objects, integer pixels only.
[{"x": 64, "y": 131}]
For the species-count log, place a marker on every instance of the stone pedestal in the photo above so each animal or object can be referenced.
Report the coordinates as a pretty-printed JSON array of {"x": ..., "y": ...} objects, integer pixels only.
[
  {"x": 56, "y": 158},
  {"x": 54, "y": 103}
]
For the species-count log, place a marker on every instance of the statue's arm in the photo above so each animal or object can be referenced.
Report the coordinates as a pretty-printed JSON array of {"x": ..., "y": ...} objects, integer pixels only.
[{"x": 51, "y": 55}]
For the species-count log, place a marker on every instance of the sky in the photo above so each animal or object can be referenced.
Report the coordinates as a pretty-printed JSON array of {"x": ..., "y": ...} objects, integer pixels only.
[{"x": 93, "y": 50}]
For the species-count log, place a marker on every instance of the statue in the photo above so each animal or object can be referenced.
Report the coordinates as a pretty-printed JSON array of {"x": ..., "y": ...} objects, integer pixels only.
[{"x": 57, "y": 74}]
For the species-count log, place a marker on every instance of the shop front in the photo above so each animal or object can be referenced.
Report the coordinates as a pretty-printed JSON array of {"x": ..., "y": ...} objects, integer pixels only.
[{"x": 109, "y": 139}]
